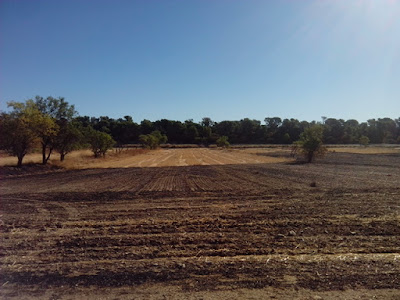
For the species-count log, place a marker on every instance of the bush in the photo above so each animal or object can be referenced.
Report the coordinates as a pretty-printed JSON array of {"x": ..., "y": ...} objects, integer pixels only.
[
  {"x": 364, "y": 141},
  {"x": 310, "y": 143},
  {"x": 152, "y": 140},
  {"x": 100, "y": 142},
  {"x": 223, "y": 142}
]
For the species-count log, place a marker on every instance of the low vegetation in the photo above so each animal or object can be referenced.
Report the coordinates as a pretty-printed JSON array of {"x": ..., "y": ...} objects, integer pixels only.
[
  {"x": 310, "y": 143},
  {"x": 223, "y": 142},
  {"x": 153, "y": 140},
  {"x": 364, "y": 141},
  {"x": 100, "y": 142},
  {"x": 52, "y": 124}
]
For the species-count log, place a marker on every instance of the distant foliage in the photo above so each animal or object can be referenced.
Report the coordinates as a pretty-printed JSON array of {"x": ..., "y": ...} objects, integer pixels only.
[
  {"x": 310, "y": 143},
  {"x": 153, "y": 140},
  {"x": 364, "y": 141},
  {"x": 246, "y": 131},
  {"x": 223, "y": 142},
  {"x": 52, "y": 124}
]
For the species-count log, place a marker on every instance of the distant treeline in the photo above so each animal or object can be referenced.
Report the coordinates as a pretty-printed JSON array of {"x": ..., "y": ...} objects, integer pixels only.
[
  {"x": 52, "y": 124},
  {"x": 246, "y": 131}
]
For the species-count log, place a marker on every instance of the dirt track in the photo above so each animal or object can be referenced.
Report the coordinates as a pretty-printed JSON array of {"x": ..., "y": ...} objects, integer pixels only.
[{"x": 198, "y": 228}]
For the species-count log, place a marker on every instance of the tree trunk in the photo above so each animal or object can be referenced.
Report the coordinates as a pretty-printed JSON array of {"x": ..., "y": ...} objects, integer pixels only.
[
  {"x": 48, "y": 156},
  {"x": 310, "y": 156},
  {"x": 44, "y": 161},
  {"x": 19, "y": 164},
  {"x": 62, "y": 156}
]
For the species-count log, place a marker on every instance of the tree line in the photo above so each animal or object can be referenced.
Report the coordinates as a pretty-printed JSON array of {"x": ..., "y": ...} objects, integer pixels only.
[
  {"x": 247, "y": 131},
  {"x": 53, "y": 125}
]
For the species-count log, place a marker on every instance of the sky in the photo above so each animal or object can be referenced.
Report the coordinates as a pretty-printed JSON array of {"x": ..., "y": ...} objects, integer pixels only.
[{"x": 189, "y": 59}]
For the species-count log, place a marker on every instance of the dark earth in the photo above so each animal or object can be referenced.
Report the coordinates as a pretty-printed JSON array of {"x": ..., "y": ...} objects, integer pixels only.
[{"x": 328, "y": 229}]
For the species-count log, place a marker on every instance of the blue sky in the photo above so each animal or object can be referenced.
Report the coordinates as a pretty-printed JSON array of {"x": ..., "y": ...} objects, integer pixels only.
[{"x": 189, "y": 59}]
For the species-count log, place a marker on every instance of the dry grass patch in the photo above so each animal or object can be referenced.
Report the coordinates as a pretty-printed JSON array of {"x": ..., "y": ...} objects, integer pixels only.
[
  {"x": 7, "y": 160},
  {"x": 84, "y": 159},
  {"x": 365, "y": 150}
]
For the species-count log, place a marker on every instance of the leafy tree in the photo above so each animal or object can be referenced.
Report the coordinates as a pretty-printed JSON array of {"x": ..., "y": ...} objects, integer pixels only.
[
  {"x": 249, "y": 131},
  {"x": 364, "y": 140},
  {"x": 16, "y": 134},
  {"x": 310, "y": 143},
  {"x": 333, "y": 131},
  {"x": 153, "y": 140},
  {"x": 57, "y": 113},
  {"x": 191, "y": 133},
  {"x": 293, "y": 128},
  {"x": 56, "y": 108},
  {"x": 174, "y": 130},
  {"x": 146, "y": 127},
  {"x": 46, "y": 129},
  {"x": 286, "y": 138},
  {"x": 148, "y": 141},
  {"x": 43, "y": 125},
  {"x": 207, "y": 122},
  {"x": 351, "y": 132},
  {"x": 272, "y": 126},
  {"x": 100, "y": 142},
  {"x": 124, "y": 131},
  {"x": 69, "y": 138},
  {"x": 223, "y": 142}
]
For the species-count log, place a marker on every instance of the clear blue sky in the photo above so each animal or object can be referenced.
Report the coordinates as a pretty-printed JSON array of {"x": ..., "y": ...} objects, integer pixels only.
[{"x": 189, "y": 59}]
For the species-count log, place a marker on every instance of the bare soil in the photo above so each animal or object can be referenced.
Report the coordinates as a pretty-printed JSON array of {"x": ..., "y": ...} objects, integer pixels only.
[{"x": 329, "y": 230}]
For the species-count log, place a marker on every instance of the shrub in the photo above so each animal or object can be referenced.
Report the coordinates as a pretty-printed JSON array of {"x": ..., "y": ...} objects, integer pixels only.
[
  {"x": 100, "y": 142},
  {"x": 310, "y": 143},
  {"x": 223, "y": 142},
  {"x": 364, "y": 141},
  {"x": 152, "y": 140}
]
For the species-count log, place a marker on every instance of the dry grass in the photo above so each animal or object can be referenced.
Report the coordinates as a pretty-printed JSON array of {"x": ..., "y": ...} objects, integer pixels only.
[
  {"x": 6, "y": 160},
  {"x": 366, "y": 150},
  {"x": 133, "y": 157},
  {"x": 128, "y": 158},
  {"x": 84, "y": 159},
  {"x": 80, "y": 159}
]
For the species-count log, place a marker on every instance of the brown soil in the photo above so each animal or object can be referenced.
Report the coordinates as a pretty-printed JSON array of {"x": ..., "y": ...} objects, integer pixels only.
[{"x": 329, "y": 230}]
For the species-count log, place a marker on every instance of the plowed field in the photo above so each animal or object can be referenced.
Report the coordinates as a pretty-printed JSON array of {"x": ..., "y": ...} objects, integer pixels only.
[{"x": 228, "y": 231}]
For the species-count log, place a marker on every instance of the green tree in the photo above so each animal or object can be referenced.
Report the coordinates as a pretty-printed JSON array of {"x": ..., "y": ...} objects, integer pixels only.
[
  {"x": 191, "y": 133},
  {"x": 364, "y": 140},
  {"x": 148, "y": 141},
  {"x": 310, "y": 143},
  {"x": 16, "y": 134},
  {"x": 100, "y": 142},
  {"x": 42, "y": 125},
  {"x": 46, "y": 129},
  {"x": 207, "y": 122},
  {"x": 146, "y": 126},
  {"x": 334, "y": 131},
  {"x": 153, "y": 140},
  {"x": 69, "y": 138},
  {"x": 223, "y": 142},
  {"x": 56, "y": 113},
  {"x": 272, "y": 128}
]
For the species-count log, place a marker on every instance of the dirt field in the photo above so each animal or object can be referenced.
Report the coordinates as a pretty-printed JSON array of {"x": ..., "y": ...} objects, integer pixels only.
[
  {"x": 238, "y": 224},
  {"x": 157, "y": 158}
]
